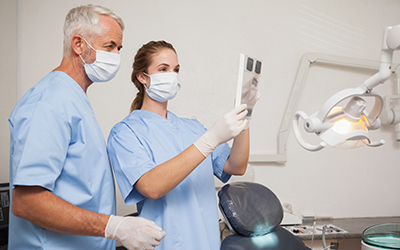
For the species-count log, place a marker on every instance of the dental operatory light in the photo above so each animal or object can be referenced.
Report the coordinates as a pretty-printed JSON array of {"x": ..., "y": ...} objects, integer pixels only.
[{"x": 347, "y": 125}]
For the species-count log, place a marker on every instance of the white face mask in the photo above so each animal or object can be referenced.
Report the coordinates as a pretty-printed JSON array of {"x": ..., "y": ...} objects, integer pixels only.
[
  {"x": 163, "y": 86},
  {"x": 104, "y": 68}
]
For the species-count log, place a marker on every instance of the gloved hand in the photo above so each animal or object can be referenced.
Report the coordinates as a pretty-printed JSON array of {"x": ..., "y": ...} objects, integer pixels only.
[
  {"x": 225, "y": 128},
  {"x": 250, "y": 96},
  {"x": 134, "y": 233}
]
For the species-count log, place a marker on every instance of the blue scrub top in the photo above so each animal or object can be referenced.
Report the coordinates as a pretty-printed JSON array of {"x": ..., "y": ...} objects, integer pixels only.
[
  {"x": 56, "y": 143},
  {"x": 188, "y": 214}
]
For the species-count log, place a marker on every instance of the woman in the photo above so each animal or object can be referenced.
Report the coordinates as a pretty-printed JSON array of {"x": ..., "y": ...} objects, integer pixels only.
[{"x": 161, "y": 161}]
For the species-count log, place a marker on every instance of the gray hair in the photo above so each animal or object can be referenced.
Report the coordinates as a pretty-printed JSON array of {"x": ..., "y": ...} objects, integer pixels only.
[{"x": 84, "y": 20}]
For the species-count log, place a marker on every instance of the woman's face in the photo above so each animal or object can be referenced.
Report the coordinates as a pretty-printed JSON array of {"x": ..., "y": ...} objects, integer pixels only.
[{"x": 164, "y": 61}]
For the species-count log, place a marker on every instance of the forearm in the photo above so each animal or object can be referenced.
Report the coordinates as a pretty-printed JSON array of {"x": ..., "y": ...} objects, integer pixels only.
[
  {"x": 239, "y": 156},
  {"x": 47, "y": 210},
  {"x": 165, "y": 177}
]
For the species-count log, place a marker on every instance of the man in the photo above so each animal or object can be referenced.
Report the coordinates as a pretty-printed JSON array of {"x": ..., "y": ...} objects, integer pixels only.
[{"x": 63, "y": 193}]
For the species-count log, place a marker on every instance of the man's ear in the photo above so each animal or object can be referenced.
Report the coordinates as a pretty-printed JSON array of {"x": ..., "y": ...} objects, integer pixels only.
[
  {"x": 141, "y": 77},
  {"x": 78, "y": 45}
]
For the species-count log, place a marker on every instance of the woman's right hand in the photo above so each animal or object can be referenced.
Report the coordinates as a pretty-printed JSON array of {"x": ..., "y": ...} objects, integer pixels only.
[{"x": 224, "y": 129}]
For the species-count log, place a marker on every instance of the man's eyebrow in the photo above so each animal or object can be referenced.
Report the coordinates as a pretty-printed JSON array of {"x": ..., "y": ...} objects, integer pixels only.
[{"x": 115, "y": 44}]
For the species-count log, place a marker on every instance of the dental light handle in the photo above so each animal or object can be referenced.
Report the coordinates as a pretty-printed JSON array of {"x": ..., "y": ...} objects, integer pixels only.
[
  {"x": 376, "y": 144},
  {"x": 299, "y": 136}
]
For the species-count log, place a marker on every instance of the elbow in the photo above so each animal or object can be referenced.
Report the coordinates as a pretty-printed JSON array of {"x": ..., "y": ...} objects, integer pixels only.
[
  {"x": 15, "y": 211},
  {"x": 240, "y": 171},
  {"x": 149, "y": 192},
  {"x": 151, "y": 187},
  {"x": 24, "y": 199},
  {"x": 17, "y": 207},
  {"x": 152, "y": 194}
]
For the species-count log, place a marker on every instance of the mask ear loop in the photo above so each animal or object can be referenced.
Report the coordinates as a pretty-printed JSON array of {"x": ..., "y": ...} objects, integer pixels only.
[
  {"x": 145, "y": 83},
  {"x": 82, "y": 59},
  {"x": 88, "y": 43},
  {"x": 89, "y": 46}
]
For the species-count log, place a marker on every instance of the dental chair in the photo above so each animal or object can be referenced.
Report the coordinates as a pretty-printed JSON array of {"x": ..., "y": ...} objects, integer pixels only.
[{"x": 253, "y": 214}]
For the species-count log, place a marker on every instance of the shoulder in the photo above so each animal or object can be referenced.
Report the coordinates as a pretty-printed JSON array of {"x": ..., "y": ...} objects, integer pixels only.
[
  {"x": 128, "y": 124},
  {"x": 190, "y": 123},
  {"x": 54, "y": 88},
  {"x": 56, "y": 93},
  {"x": 119, "y": 127},
  {"x": 59, "y": 87}
]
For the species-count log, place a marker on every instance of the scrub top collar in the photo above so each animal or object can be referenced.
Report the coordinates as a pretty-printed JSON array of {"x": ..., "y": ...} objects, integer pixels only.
[
  {"x": 74, "y": 86},
  {"x": 170, "y": 121}
]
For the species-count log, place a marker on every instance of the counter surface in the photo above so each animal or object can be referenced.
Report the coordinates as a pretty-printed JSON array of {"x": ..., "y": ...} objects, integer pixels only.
[{"x": 353, "y": 226}]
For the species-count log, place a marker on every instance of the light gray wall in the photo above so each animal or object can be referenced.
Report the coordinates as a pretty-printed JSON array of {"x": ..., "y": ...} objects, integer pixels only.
[
  {"x": 8, "y": 79},
  {"x": 209, "y": 35}
]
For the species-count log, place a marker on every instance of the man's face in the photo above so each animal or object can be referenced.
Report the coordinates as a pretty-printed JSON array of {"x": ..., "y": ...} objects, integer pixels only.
[{"x": 110, "y": 40}]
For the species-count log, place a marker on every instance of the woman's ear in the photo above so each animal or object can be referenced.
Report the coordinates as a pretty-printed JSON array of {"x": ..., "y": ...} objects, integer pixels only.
[{"x": 141, "y": 77}]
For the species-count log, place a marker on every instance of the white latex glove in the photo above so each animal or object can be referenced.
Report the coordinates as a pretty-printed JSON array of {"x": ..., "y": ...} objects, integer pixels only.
[
  {"x": 250, "y": 97},
  {"x": 225, "y": 128},
  {"x": 134, "y": 233},
  {"x": 252, "y": 102}
]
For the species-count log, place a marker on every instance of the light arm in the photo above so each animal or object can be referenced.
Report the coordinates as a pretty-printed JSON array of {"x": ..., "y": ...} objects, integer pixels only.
[
  {"x": 393, "y": 37},
  {"x": 391, "y": 42}
]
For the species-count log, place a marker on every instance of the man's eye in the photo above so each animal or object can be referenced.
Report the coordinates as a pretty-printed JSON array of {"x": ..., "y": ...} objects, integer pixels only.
[{"x": 110, "y": 47}]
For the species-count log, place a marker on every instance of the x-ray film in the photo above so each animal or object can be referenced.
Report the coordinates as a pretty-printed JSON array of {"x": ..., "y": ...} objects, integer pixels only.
[{"x": 249, "y": 75}]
